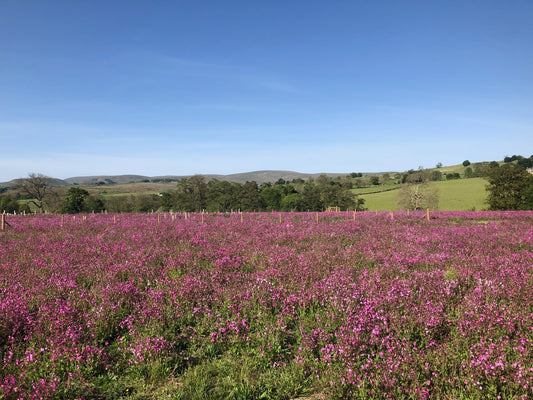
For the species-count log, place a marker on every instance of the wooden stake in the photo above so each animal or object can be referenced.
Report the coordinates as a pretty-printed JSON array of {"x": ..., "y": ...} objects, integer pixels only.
[
  {"x": 317, "y": 217},
  {"x": 354, "y": 215},
  {"x": 391, "y": 214},
  {"x": 280, "y": 218},
  {"x": 241, "y": 217},
  {"x": 114, "y": 219},
  {"x": 202, "y": 218},
  {"x": 3, "y": 221},
  {"x": 407, "y": 212},
  {"x": 427, "y": 214}
]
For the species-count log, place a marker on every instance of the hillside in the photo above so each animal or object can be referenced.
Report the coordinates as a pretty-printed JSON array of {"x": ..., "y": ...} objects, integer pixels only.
[
  {"x": 257, "y": 176},
  {"x": 454, "y": 195}
]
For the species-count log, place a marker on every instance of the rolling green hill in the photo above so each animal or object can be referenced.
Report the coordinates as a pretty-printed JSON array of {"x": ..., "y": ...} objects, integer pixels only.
[{"x": 454, "y": 195}]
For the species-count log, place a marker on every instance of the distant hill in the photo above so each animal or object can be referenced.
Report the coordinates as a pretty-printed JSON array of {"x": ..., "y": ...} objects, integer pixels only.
[{"x": 257, "y": 176}]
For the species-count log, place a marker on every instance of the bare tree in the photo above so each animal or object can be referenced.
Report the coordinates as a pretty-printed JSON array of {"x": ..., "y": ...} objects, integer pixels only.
[
  {"x": 417, "y": 194},
  {"x": 37, "y": 186}
]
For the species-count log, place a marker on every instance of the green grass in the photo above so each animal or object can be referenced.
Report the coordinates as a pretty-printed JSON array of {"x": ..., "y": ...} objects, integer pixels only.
[
  {"x": 462, "y": 194},
  {"x": 455, "y": 195}
]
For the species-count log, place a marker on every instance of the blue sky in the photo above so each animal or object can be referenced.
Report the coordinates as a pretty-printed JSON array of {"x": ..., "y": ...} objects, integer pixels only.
[{"x": 185, "y": 87}]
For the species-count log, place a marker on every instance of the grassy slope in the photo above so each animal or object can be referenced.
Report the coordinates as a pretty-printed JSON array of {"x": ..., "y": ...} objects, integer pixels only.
[{"x": 461, "y": 194}]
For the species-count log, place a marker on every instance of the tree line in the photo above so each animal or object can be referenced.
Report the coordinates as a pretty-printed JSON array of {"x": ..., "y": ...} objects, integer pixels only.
[
  {"x": 193, "y": 194},
  {"x": 510, "y": 187}
]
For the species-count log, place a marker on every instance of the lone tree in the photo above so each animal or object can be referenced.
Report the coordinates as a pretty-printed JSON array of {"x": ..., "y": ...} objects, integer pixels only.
[
  {"x": 417, "y": 194},
  {"x": 37, "y": 186}
]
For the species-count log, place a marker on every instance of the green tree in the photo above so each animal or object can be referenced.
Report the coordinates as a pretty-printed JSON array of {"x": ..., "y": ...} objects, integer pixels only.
[
  {"x": 222, "y": 195},
  {"x": 9, "y": 205},
  {"x": 249, "y": 197},
  {"x": 167, "y": 201},
  {"x": 435, "y": 176},
  {"x": 145, "y": 203},
  {"x": 466, "y": 163},
  {"x": 190, "y": 194},
  {"x": 292, "y": 202},
  {"x": 528, "y": 194},
  {"x": 509, "y": 188},
  {"x": 121, "y": 204},
  {"x": 271, "y": 197},
  {"x": 311, "y": 197},
  {"x": 374, "y": 180},
  {"x": 94, "y": 204},
  {"x": 75, "y": 201},
  {"x": 452, "y": 175}
]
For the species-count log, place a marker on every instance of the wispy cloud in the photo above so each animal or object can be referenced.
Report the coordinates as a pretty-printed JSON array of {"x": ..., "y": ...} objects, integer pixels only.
[{"x": 165, "y": 65}]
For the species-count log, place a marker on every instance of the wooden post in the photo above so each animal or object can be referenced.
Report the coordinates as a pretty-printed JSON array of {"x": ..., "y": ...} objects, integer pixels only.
[
  {"x": 280, "y": 218},
  {"x": 317, "y": 216},
  {"x": 427, "y": 214},
  {"x": 376, "y": 212},
  {"x": 62, "y": 219},
  {"x": 202, "y": 218},
  {"x": 391, "y": 214},
  {"x": 3, "y": 221},
  {"x": 354, "y": 214},
  {"x": 114, "y": 219},
  {"x": 241, "y": 217},
  {"x": 407, "y": 212}
]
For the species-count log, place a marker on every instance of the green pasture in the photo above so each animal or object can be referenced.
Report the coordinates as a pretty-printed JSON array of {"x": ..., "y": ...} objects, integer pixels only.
[{"x": 455, "y": 195}]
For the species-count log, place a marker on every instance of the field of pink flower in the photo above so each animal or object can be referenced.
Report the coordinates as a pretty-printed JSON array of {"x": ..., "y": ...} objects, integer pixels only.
[{"x": 160, "y": 306}]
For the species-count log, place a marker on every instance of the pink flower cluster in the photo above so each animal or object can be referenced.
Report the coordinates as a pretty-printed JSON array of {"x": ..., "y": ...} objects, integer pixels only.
[{"x": 369, "y": 305}]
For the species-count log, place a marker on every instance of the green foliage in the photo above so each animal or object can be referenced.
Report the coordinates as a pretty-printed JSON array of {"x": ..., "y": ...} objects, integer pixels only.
[
  {"x": 291, "y": 202},
  {"x": 75, "y": 201},
  {"x": 453, "y": 175},
  {"x": 509, "y": 188},
  {"x": 190, "y": 195},
  {"x": 245, "y": 379},
  {"x": 249, "y": 197},
  {"x": 466, "y": 163},
  {"x": 435, "y": 176},
  {"x": 9, "y": 205},
  {"x": 271, "y": 197},
  {"x": 224, "y": 196},
  {"x": 146, "y": 203},
  {"x": 78, "y": 201}
]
